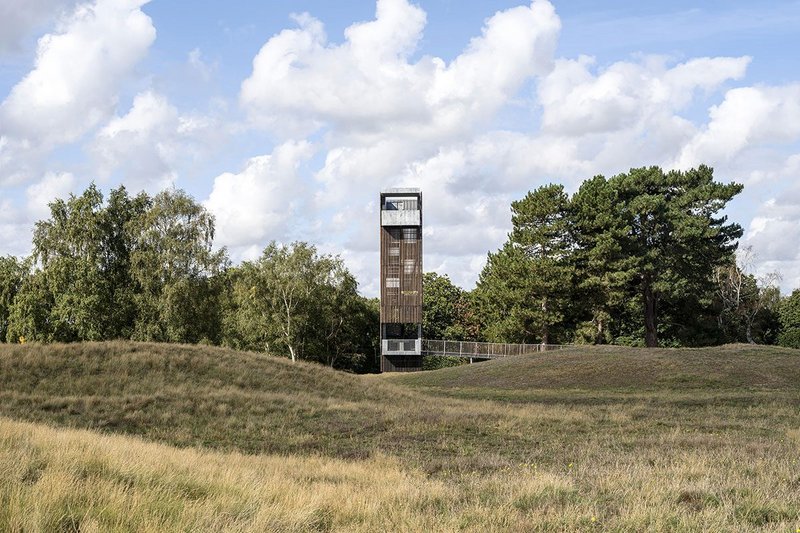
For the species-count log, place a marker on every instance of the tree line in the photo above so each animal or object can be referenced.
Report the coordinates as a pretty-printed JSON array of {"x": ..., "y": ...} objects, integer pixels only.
[
  {"x": 642, "y": 258},
  {"x": 144, "y": 268}
]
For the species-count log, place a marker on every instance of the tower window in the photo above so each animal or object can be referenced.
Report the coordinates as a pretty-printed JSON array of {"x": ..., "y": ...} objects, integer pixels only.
[
  {"x": 400, "y": 204},
  {"x": 410, "y": 234}
]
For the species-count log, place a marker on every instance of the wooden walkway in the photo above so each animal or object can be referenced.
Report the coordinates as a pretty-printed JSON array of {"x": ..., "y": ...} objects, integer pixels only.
[{"x": 483, "y": 350}]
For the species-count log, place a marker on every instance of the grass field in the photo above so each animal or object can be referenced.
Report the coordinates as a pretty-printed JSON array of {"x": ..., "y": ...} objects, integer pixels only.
[{"x": 582, "y": 439}]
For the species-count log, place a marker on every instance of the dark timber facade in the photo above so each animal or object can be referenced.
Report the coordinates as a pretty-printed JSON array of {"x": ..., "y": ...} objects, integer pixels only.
[{"x": 401, "y": 280}]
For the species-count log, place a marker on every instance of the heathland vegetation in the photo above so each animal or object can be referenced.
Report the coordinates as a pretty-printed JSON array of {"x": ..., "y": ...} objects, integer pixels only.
[{"x": 150, "y": 436}]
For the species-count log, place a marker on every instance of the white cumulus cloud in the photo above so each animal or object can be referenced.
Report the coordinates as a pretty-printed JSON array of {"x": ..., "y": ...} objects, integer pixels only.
[
  {"x": 747, "y": 117},
  {"x": 152, "y": 140},
  {"x": 52, "y": 186},
  {"x": 74, "y": 83},
  {"x": 143, "y": 142},
  {"x": 77, "y": 74},
  {"x": 18, "y": 19},
  {"x": 369, "y": 84},
  {"x": 577, "y": 102},
  {"x": 257, "y": 204}
]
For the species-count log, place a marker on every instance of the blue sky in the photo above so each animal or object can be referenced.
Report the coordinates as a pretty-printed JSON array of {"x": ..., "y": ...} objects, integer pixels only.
[{"x": 286, "y": 118}]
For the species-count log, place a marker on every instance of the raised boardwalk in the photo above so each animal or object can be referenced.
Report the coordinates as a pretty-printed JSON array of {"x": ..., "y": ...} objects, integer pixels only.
[{"x": 483, "y": 350}]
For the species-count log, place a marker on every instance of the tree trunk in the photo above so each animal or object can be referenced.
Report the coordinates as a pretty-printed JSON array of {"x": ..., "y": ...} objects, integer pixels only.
[
  {"x": 750, "y": 332},
  {"x": 545, "y": 326},
  {"x": 291, "y": 351},
  {"x": 650, "y": 299},
  {"x": 599, "y": 337}
]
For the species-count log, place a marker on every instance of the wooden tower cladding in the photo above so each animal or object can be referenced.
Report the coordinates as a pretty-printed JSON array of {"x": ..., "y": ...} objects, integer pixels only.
[
  {"x": 401, "y": 279},
  {"x": 401, "y": 276}
]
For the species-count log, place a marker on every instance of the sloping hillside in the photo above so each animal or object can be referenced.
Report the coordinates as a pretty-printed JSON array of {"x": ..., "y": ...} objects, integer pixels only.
[
  {"x": 194, "y": 395},
  {"x": 600, "y": 438},
  {"x": 737, "y": 366},
  {"x": 236, "y": 401},
  {"x": 122, "y": 367}
]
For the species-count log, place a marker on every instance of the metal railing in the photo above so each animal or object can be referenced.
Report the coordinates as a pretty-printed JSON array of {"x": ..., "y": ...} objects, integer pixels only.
[
  {"x": 483, "y": 350},
  {"x": 401, "y": 346}
]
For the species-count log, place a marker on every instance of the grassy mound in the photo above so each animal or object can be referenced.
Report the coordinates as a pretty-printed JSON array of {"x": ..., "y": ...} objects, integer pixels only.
[
  {"x": 194, "y": 395},
  {"x": 122, "y": 367},
  {"x": 738, "y": 366}
]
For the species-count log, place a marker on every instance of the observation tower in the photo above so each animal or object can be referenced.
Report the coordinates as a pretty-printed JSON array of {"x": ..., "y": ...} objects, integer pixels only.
[{"x": 401, "y": 280}]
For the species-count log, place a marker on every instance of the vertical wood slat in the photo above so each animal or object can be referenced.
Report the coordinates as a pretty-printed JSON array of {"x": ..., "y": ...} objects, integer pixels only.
[{"x": 404, "y": 303}]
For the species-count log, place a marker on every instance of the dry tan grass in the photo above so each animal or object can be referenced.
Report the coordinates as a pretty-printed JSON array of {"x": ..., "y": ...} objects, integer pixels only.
[
  {"x": 268, "y": 445},
  {"x": 70, "y": 480}
]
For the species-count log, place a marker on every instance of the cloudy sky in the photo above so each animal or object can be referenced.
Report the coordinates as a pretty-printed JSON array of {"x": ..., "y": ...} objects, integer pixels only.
[{"x": 287, "y": 118}]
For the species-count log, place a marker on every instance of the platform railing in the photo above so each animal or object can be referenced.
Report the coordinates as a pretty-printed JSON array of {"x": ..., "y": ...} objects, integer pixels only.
[
  {"x": 483, "y": 350},
  {"x": 401, "y": 346}
]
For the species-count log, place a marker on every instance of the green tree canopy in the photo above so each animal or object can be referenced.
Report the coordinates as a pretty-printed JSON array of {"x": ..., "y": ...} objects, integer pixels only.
[
  {"x": 80, "y": 288},
  {"x": 448, "y": 311},
  {"x": 625, "y": 257},
  {"x": 176, "y": 270},
  {"x": 136, "y": 267},
  {"x": 145, "y": 268},
  {"x": 525, "y": 288},
  {"x": 297, "y": 302},
  {"x": 667, "y": 239},
  {"x": 12, "y": 274},
  {"x": 790, "y": 320},
  {"x": 601, "y": 292}
]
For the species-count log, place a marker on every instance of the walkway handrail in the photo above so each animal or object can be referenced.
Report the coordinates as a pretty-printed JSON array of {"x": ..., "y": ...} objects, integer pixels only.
[{"x": 483, "y": 350}]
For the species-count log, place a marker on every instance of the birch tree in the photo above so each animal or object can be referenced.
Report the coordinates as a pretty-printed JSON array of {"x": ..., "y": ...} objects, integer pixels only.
[
  {"x": 176, "y": 271},
  {"x": 295, "y": 301},
  {"x": 12, "y": 274},
  {"x": 743, "y": 294}
]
